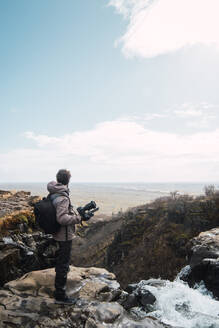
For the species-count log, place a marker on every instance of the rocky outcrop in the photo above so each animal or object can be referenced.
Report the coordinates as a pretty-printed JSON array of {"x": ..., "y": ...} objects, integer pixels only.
[
  {"x": 22, "y": 247},
  {"x": 28, "y": 302},
  {"x": 21, "y": 253},
  {"x": 16, "y": 212},
  {"x": 204, "y": 260}
]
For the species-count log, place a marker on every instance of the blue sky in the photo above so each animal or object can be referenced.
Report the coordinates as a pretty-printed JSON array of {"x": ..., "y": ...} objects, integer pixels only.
[
  {"x": 53, "y": 63},
  {"x": 121, "y": 90}
]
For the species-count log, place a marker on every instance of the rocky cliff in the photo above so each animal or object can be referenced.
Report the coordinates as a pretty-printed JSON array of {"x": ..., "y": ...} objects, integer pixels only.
[{"x": 149, "y": 240}]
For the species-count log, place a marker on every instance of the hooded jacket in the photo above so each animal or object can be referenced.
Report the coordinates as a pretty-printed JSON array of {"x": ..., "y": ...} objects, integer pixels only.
[{"x": 59, "y": 194}]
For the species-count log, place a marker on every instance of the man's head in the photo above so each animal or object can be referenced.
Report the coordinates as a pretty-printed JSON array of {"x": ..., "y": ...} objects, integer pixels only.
[{"x": 63, "y": 176}]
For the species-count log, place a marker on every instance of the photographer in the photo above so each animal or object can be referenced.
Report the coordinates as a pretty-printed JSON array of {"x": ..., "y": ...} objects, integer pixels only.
[{"x": 59, "y": 193}]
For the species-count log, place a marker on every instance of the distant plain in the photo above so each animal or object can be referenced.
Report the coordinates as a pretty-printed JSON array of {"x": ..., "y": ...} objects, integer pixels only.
[{"x": 114, "y": 197}]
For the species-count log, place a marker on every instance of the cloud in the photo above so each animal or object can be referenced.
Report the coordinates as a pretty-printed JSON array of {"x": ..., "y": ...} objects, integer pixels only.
[
  {"x": 143, "y": 118},
  {"x": 194, "y": 110},
  {"x": 116, "y": 151},
  {"x": 200, "y": 116},
  {"x": 158, "y": 27},
  {"x": 196, "y": 115}
]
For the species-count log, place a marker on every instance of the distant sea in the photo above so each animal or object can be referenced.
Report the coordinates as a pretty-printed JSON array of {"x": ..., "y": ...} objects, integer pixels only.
[{"x": 113, "y": 197}]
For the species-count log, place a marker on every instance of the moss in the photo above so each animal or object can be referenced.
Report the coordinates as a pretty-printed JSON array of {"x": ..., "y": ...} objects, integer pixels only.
[
  {"x": 22, "y": 219},
  {"x": 11, "y": 222}
]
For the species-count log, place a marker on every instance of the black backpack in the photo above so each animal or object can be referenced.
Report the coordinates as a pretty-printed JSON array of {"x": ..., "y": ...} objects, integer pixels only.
[{"x": 45, "y": 215}]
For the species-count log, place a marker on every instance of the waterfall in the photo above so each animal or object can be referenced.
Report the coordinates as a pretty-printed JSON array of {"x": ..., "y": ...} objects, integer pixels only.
[{"x": 181, "y": 306}]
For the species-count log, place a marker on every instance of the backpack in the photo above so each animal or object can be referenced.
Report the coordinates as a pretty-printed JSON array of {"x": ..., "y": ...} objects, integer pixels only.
[{"x": 45, "y": 215}]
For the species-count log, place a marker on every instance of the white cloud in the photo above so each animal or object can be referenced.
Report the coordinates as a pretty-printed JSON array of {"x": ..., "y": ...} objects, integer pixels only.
[
  {"x": 143, "y": 118},
  {"x": 130, "y": 7},
  {"x": 188, "y": 113},
  {"x": 162, "y": 26},
  {"x": 116, "y": 151},
  {"x": 196, "y": 115}
]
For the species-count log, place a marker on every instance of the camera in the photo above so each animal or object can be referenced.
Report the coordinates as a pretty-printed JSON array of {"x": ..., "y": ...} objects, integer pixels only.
[{"x": 87, "y": 211}]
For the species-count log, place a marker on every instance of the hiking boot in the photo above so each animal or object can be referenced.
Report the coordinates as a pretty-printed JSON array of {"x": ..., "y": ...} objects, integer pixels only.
[{"x": 65, "y": 300}]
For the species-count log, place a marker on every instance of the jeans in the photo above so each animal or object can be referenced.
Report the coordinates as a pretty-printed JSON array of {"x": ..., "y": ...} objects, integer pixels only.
[{"x": 63, "y": 256}]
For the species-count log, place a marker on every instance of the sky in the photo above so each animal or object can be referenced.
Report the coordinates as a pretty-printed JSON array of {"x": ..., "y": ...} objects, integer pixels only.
[{"x": 115, "y": 91}]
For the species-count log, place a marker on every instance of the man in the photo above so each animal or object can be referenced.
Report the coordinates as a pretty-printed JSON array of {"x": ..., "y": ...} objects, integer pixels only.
[{"x": 59, "y": 193}]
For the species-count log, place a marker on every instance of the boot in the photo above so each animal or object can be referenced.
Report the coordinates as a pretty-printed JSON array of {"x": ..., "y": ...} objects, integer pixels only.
[{"x": 65, "y": 300}]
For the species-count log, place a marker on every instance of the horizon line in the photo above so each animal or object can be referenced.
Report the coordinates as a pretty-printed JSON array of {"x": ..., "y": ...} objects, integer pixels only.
[{"x": 113, "y": 182}]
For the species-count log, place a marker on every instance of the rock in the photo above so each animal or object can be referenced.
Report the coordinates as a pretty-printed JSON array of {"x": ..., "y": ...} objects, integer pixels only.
[
  {"x": 147, "y": 298},
  {"x": 130, "y": 302},
  {"x": 9, "y": 260},
  {"x": 92, "y": 290},
  {"x": 206, "y": 245},
  {"x": 204, "y": 260},
  {"x": 106, "y": 312},
  {"x": 29, "y": 241},
  {"x": 4, "y": 194},
  {"x": 131, "y": 288},
  {"x": 141, "y": 295},
  {"x": 28, "y": 302},
  {"x": 27, "y": 252},
  {"x": 145, "y": 323},
  {"x": 16, "y": 211},
  {"x": 151, "y": 282}
]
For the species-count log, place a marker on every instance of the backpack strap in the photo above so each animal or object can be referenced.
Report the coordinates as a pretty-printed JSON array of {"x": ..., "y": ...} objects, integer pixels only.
[{"x": 56, "y": 195}]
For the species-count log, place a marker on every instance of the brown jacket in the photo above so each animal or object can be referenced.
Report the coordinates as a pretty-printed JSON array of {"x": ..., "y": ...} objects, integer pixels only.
[{"x": 64, "y": 214}]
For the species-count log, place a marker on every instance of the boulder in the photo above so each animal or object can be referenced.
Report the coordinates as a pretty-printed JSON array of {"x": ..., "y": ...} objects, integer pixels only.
[
  {"x": 204, "y": 260},
  {"x": 140, "y": 295}
]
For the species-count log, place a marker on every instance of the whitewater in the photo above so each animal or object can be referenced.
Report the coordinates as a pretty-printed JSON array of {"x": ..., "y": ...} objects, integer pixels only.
[{"x": 179, "y": 305}]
